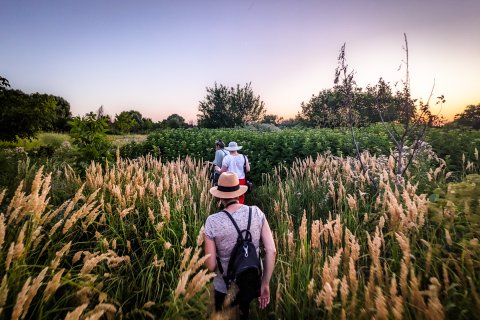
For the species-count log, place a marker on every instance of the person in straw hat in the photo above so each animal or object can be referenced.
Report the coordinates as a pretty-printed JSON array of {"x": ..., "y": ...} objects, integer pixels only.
[
  {"x": 236, "y": 162},
  {"x": 220, "y": 238}
]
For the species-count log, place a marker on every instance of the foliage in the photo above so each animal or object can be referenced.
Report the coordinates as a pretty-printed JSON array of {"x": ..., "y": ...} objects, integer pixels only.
[
  {"x": 90, "y": 138},
  {"x": 225, "y": 107},
  {"x": 265, "y": 149},
  {"x": 470, "y": 117},
  {"x": 174, "y": 121},
  {"x": 24, "y": 115},
  {"x": 132, "y": 121}
]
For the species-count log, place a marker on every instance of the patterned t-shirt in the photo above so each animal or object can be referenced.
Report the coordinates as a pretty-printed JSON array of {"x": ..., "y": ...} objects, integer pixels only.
[{"x": 220, "y": 229}]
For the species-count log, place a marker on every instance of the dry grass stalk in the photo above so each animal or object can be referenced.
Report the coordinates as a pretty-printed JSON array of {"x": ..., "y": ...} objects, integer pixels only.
[
  {"x": 3, "y": 293},
  {"x": 200, "y": 236},
  {"x": 315, "y": 241},
  {"x": 434, "y": 306},
  {"x": 53, "y": 285},
  {"x": 32, "y": 291},
  {"x": 9, "y": 258},
  {"x": 21, "y": 298},
  {"x": 19, "y": 245},
  {"x": 380, "y": 305},
  {"x": 396, "y": 301},
  {"x": 99, "y": 310},
  {"x": 59, "y": 254},
  {"x": 185, "y": 235},
  {"x": 197, "y": 283},
  {"x": 2, "y": 228},
  {"x": 352, "y": 276},
  {"x": 2, "y": 195},
  {"x": 311, "y": 288},
  {"x": 76, "y": 313}
]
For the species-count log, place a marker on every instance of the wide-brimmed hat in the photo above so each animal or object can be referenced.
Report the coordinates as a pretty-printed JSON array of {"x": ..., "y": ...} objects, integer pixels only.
[
  {"x": 228, "y": 186},
  {"x": 232, "y": 146}
]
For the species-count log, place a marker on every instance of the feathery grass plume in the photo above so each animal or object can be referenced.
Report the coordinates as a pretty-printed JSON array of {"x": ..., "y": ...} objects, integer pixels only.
[
  {"x": 16, "y": 204},
  {"x": 416, "y": 294},
  {"x": 2, "y": 195},
  {"x": 186, "y": 256},
  {"x": 2, "y": 229},
  {"x": 125, "y": 211},
  {"x": 32, "y": 291},
  {"x": 21, "y": 298},
  {"x": 446, "y": 280},
  {"x": 380, "y": 305},
  {"x": 3, "y": 293},
  {"x": 197, "y": 283},
  {"x": 344, "y": 291},
  {"x": 396, "y": 301},
  {"x": 185, "y": 235},
  {"x": 167, "y": 245},
  {"x": 73, "y": 202},
  {"x": 182, "y": 283},
  {"x": 302, "y": 231},
  {"x": 200, "y": 236},
  {"x": 291, "y": 242},
  {"x": 165, "y": 209},
  {"x": 352, "y": 202},
  {"x": 53, "y": 285},
  {"x": 55, "y": 228},
  {"x": 59, "y": 254},
  {"x": 330, "y": 268},
  {"x": 352, "y": 248},
  {"x": 9, "y": 258},
  {"x": 352, "y": 276},
  {"x": 19, "y": 245},
  {"x": 434, "y": 306},
  {"x": 151, "y": 216},
  {"x": 101, "y": 309},
  {"x": 404, "y": 245},
  {"x": 158, "y": 263},
  {"x": 315, "y": 241},
  {"x": 311, "y": 288},
  {"x": 76, "y": 313},
  {"x": 448, "y": 237}
]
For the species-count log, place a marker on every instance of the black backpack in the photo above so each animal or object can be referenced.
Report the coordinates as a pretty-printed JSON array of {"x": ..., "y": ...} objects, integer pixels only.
[{"x": 244, "y": 267}]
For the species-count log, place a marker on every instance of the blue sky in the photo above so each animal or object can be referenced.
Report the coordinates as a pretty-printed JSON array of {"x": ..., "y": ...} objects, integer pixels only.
[{"x": 158, "y": 57}]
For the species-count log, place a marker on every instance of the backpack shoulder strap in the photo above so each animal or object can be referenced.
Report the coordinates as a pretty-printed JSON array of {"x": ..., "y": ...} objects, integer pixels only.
[{"x": 233, "y": 221}]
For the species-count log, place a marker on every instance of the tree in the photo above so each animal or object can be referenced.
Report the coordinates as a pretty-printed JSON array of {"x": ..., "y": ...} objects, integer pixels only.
[
  {"x": 23, "y": 115},
  {"x": 90, "y": 138},
  {"x": 470, "y": 117},
  {"x": 225, "y": 107},
  {"x": 272, "y": 119},
  {"x": 407, "y": 133},
  {"x": 124, "y": 122},
  {"x": 174, "y": 121}
]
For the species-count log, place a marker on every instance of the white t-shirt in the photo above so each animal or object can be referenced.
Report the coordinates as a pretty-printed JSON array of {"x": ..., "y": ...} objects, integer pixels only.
[{"x": 234, "y": 163}]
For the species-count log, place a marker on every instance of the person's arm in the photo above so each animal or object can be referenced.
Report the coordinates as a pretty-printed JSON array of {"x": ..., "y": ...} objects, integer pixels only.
[
  {"x": 270, "y": 251},
  {"x": 224, "y": 165},
  {"x": 209, "y": 247}
]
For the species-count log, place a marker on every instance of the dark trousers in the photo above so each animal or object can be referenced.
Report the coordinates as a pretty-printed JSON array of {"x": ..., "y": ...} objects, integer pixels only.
[{"x": 244, "y": 307}]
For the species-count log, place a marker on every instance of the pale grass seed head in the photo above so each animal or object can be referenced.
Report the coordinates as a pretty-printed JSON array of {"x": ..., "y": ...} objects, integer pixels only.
[
  {"x": 185, "y": 235},
  {"x": 3, "y": 292},
  {"x": 21, "y": 298},
  {"x": 32, "y": 291},
  {"x": 53, "y": 285},
  {"x": 59, "y": 254},
  {"x": 76, "y": 313},
  {"x": 380, "y": 305},
  {"x": 2, "y": 228}
]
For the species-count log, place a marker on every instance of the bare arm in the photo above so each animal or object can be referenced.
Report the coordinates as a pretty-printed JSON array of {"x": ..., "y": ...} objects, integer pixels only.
[
  {"x": 270, "y": 251},
  {"x": 247, "y": 165},
  {"x": 209, "y": 247}
]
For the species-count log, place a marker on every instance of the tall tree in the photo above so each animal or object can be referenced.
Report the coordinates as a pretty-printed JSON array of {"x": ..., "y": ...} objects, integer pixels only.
[
  {"x": 470, "y": 117},
  {"x": 225, "y": 107}
]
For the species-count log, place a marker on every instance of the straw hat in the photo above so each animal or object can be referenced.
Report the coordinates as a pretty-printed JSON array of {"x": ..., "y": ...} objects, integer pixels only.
[
  {"x": 228, "y": 186},
  {"x": 232, "y": 146}
]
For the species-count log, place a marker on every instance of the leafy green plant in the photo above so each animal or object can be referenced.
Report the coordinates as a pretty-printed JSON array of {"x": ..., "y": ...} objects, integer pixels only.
[{"x": 90, "y": 138}]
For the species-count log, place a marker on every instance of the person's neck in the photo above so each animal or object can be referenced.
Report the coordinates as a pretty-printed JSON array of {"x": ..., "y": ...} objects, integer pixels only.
[{"x": 230, "y": 204}]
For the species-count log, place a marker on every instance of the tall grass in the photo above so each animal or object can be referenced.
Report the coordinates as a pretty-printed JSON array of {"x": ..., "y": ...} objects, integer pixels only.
[{"x": 351, "y": 243}]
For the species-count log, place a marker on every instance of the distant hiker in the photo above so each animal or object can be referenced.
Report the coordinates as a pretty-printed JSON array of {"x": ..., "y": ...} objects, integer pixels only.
[
  {"x": 220, "y": 153},
  {"x": 221, "y": 237},
  {"x": 238, "y": 163}
]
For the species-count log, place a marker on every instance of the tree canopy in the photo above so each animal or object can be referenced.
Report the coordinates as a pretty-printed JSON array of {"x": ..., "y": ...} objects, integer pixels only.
[
  {"x": 470, "y": 117},
  {"x": 23, "y": 115},
  {"x": 225, "y": 107}
]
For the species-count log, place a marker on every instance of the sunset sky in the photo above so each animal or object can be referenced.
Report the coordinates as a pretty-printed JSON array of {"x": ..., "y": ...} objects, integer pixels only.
[{"x": 158, "y": 57}]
